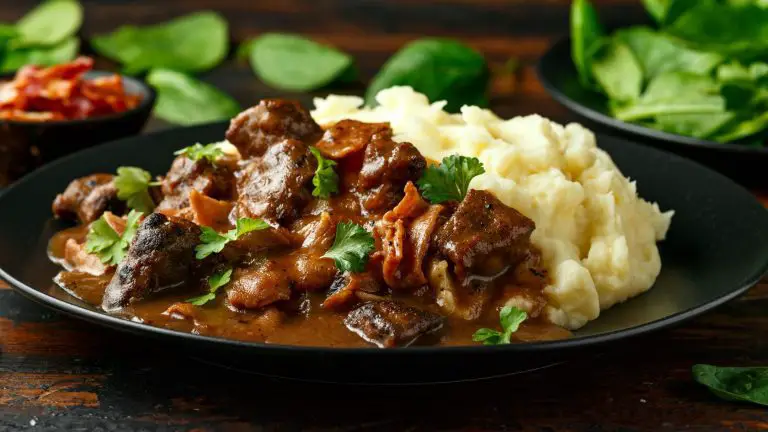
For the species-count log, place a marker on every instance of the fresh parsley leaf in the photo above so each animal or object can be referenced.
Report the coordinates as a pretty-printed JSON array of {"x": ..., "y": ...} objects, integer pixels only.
[
  {"x": 215, "y": 281},
  {"x": 326, "y": 181},
  {"x": 351, "y": 247},
  {"x": 510, "y": 317},
  {"x": 211, "y": 152},
  {"x": 132, "y": 185},
  {"x": 104, "y": 242},
  {"x": 743, "y": 384},
  {"x": 450, "y": 180},
  {"x": 214, "y": 242}
]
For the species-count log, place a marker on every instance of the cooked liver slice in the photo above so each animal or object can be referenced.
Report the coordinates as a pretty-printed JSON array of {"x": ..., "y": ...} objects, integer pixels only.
[
  {"x": 161, "y": 256},
  {"x": 277, "y": 185},
  {"x": 484, "y": 236},
  {"x": 256, "y": 129},
  {"x": 87, "y": 198},
  {"x": 185, "y": 175},
  {"x": 387, "y": 167},
  {"x": 350, "y": 136},
  {"x": 388, "y": 323},
  {"x": 259, "y": 286}
]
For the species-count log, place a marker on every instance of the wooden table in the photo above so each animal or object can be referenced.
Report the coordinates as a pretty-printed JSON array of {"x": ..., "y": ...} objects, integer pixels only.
[{"x": 58, "y": 373}]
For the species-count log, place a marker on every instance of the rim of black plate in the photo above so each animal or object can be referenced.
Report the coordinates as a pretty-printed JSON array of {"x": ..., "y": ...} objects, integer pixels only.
[
  {"x": 545, "y": 346},
  {"x": 559, "y": 52}
]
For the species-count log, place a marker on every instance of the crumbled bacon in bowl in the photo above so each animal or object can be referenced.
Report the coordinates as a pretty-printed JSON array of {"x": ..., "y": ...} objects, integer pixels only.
[{"x": 62, "y": 92}]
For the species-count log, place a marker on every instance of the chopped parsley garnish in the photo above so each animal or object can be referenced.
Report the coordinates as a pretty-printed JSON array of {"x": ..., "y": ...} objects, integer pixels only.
[
  {"x": 326, "y": 181},
  {"x": 106, "y": 243},
  {"x": 351, "y": 247},
  {"x": 211, "y": 152},
  {"x": 511, "y": 317},
  {"x": 215, "y": 281},
  {"x": 214, "y": 241},
  {"x": 132, "y": 185},
  {"x": 449, "y": 181}
]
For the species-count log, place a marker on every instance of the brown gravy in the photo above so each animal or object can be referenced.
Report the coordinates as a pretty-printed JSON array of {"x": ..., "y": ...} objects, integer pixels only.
[{"x": 312, "y": 325}]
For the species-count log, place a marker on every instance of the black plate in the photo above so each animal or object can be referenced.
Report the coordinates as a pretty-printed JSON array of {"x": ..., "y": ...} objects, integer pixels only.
[
  {"x": 717, "y": 248},
  {"x": 559, "y": 77}
]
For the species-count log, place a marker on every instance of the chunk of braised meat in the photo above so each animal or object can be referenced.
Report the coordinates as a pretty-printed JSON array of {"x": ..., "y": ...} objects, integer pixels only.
[
  {"x": 403, "y": 238},
  {"x": 387, "y": 167},
  {"x": 349, "y": 288},
  {"x": 275, "y": 187},
  {"x": 484, "y": 236},
  {"x": 351, "y": 136},
  {"x": 260, "y": 285},
  {"x": 389, "y": 324},
  {"x": 254, "y": 130},
  {"x": 87, "y": 198},
  {"x": 161, "y": 257},
  {"x": 185, "y": 175}
]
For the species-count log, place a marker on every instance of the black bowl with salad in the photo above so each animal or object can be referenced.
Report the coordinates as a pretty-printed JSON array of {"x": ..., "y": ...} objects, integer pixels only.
[{"x": 695, "y": 83}]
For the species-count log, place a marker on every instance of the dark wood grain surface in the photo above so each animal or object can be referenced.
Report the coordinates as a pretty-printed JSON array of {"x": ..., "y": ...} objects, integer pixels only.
[{"x": 57, "y": 373}]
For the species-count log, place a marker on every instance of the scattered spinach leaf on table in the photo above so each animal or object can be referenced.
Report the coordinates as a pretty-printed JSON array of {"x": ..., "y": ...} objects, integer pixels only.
[
  {"x": 182, "y": 99},
  {"x": 15, "y": 58},
  {"x": 442, "y": 69},
  {"x": 742, "y": 384},
  {"x": 294, "y": 63},
  {"x": 191, "y": 43},
  {"x": 49, "y": 24}
]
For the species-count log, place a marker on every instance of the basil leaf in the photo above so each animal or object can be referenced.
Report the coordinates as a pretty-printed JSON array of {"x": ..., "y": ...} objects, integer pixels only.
[
  {"x": 744, "y": 384},
  {"x": 586, "y": 31},
  {"x": 191, "y": 43},
  {"x": 184, "y": 100},
  {"x": 442, "y": 69},
  {"x": 617, "y": 71},
  {"x": 291, "y": 62},
  {"x": 50, "y": 23},
  {"x": 64, "y": 52}
]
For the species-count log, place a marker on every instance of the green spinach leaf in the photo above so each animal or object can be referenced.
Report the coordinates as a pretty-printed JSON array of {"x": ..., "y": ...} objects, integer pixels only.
[
  {"x": 294, "y": 63},
  {"x": 658, "y": 53},
  {"x": 442, "y": 69},
  {"x": 743, "y": 384},
  {"x": 49, "y": 24},
  {"x": 191, "y": 43},
  {"x": 182, "y": 99},
  {"x": 617, "y": 71},
  {"x": 740, "y": 30},
  {"x": 586, "y": 33},
  {"x": 63, "y": 52}
]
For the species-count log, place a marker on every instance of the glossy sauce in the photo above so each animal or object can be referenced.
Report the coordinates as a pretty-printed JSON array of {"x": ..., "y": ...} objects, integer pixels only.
[{"x": 307, "y": 323}]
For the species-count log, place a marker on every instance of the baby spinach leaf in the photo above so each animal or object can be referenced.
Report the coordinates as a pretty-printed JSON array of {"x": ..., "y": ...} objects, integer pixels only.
[
  {"x": 442, "y": 69},
  {"x": 191, "y": 43},
  {"x": 586, "y": 31},
  {"x": 674, "y": 93},
  {"x": 44, "y": 56},
  {"x": 658, "y": 53},
  {"x": 617, "y": 71},
  {"x": 744, "y": 126},
  {"x": 182, "y": 99},
  {"x": 740, "y": 30},
  {"x": 50, "y": 23},
  {"x": 291, "y": 62},
  {"x": 657, "y": 9},
  {"x": 741, "y": 384}
]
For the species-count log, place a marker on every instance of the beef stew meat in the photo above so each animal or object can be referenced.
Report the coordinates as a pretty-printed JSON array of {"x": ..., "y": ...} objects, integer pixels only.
[{"x": 432, "y": 273}]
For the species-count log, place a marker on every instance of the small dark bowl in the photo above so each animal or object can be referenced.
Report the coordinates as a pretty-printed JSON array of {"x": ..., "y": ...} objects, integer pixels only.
[
  {"x": 25, "y": 146},
  {"x": 559, "y": 77}
]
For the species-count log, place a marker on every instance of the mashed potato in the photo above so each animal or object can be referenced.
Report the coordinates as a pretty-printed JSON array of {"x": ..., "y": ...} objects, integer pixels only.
[{"x": 597, "y": 237}]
